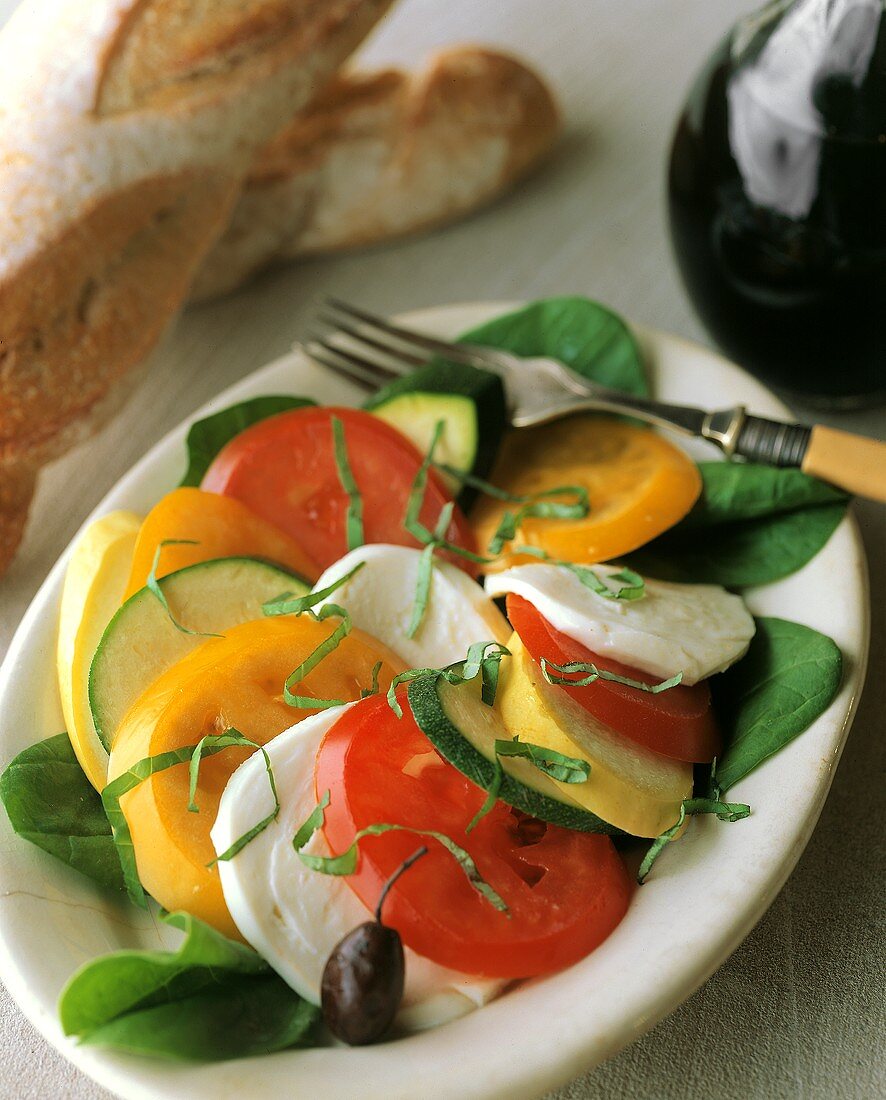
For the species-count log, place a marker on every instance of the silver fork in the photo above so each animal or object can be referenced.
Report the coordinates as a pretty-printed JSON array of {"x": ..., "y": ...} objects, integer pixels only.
[{"x": 371, "y": 351}]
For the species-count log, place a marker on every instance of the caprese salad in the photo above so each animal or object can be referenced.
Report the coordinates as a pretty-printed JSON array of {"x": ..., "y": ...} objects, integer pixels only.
[{"x": 379, "y": 703}]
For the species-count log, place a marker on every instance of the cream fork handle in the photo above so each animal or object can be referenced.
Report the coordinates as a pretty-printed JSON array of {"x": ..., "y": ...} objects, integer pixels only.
[{"x": 852, "y": 462}]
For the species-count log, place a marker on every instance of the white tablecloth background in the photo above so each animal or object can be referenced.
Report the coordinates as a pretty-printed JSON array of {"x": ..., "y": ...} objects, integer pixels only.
[{"x": 798, "y": 1011}]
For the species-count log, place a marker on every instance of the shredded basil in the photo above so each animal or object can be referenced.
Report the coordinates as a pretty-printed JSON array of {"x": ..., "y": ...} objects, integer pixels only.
[
  {"x": 478, "y": 662},
  {"x": 425, "y": 576},
  {"x": 416, "y": 498},
  {"x": 491, "y": 796},
  {"x": 153, "y": 586},
  {"x": 633, "y": 588},
  {"x": 490, "y": 667},
  {"x": 235, "y": 739},
  {"x": 405, "y": 678},
  {"x": 538, "y": 552},
  {"x": 354, "y": 525},
  {"x": 250, "y": 834},
  {"x": 593, "y": 674},
  {"x": 565, "y": 769},
  {"x": 307, "y": 702},
  {"x": 474, "y": 482},
  {"x": 443, "y": 521},
  {"x": 367, "y": 693},
  {"x": 724, "y": 811},
  {"x": 313, "y": 822},
  {"x": 539, "y": 506},
  {"x": 431, "y": 540},
  {"x": 426, "y": 569},
  {"x": 137, "y": 774},
  {"x": 346, "y": 862},
  {"x": 534, "y": 505},
  {"x": 658, "y": 845},
  {"x": 287, "y": 604},
  {"x": 412, "y": 521}
]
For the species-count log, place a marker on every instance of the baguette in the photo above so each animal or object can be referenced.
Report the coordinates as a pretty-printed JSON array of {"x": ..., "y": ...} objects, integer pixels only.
[
  {"x": 386, "y": 154},
  {"x": 126, "y": 130}
]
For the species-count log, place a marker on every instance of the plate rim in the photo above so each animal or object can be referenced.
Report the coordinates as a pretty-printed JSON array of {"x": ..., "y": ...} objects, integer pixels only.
[{"x": 110, "y": 1070}]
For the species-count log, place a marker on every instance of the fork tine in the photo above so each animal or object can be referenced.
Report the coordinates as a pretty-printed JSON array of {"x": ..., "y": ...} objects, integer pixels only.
[
  {"x": 361, "y": 337},
  {"x": 369, "y": 364},
  {"x": 404, "y": 336},
  {"x": 338, "y": 364}
]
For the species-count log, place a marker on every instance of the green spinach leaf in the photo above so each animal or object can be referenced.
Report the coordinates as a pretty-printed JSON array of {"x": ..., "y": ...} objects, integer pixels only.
[
  {"x": 738, "y": 555},
  {"x": 212, "y": 999},
  {"x": 583, "y": 334},
  {"x": 787, "y": 679},
  {"x": 760, "y": 524},
  {"x": 737, "y": 491},
  {"x": 51, "y": 803},
  {"x": 207, "y": 437},
  {"x": 245, "y": 1018},
  {"x": 113, "y": 985}
]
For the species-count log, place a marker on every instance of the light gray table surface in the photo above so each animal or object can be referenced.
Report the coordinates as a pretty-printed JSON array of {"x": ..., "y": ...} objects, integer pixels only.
[{"x": 798, "y": 1011}]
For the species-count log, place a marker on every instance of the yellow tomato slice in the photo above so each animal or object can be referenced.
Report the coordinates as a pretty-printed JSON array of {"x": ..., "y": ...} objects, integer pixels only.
[
  {"x": 216, "y": 527},
  {"x": 638, "y": 484},
  {"x": 92, "y": 592},
  {"x": 230, "y": 682}
]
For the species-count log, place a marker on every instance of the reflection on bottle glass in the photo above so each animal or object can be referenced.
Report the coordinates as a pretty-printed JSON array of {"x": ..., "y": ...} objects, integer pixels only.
[{"x": 777, "y": 193}]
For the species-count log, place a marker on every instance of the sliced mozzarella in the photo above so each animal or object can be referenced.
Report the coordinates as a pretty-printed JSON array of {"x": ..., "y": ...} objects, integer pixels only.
[
  {"x": 380, "y": 597},
  {"x": 696, "y": 629},
  {"x": 293, "y": 916}
]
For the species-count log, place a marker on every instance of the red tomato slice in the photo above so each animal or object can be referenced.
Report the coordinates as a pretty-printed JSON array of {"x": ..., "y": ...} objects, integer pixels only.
[
  {"x": 565, "y": 891},
  {"x": 284, "y": 469},
  {"x": 678, "y": 723}
]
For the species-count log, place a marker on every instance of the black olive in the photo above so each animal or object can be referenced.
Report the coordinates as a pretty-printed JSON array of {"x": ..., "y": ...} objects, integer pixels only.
[
  {"x": 363, "y": 979},
  {"x": 363, "y": 983}
]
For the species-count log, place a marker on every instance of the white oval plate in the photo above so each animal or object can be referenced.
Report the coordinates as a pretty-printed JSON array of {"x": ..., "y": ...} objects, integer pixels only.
[{"x": 704, "y": 897}]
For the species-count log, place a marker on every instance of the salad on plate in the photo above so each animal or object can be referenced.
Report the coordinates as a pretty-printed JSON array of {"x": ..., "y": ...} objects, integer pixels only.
[{"x": 390, "y": 708}]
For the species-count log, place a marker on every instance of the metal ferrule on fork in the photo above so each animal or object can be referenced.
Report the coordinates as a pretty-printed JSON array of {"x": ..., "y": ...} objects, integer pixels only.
[{"x": 724, "y": 428}]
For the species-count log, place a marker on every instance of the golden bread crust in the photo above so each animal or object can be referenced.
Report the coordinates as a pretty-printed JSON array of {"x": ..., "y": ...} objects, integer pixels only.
[
  {"x": 385, "y": 154},
  {"x": 126, "y": 129}
]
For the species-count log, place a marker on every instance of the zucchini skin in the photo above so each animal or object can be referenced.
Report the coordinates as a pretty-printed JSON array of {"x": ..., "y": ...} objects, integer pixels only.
[
  {"x": 484, "y": 388},
  {"x": 100, "y": 670},
  {"x": 434, "y": 723}
]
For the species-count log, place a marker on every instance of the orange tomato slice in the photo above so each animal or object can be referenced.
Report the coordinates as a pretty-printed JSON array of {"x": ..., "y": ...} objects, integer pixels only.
[
  {"x": 638, "y": 484},
  {"x": 217, "y": 527},
  {"x": 235, "y": 681}
]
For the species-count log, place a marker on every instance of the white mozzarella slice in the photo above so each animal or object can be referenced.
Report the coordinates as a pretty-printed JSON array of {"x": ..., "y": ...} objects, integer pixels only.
[
  {"x": 379, "y": 599},
  {"x": 294, "y": 916},
  {"x": 696, "y": 629}
]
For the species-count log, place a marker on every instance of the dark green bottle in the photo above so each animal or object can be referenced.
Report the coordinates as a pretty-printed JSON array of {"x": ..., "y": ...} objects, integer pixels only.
[{"x": 777, "y": 198}]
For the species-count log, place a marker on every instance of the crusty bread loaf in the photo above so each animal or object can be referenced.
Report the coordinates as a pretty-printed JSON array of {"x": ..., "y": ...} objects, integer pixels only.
[
  {"x": 126, "y": 128},
  {"x": 384, "y": 154}
]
